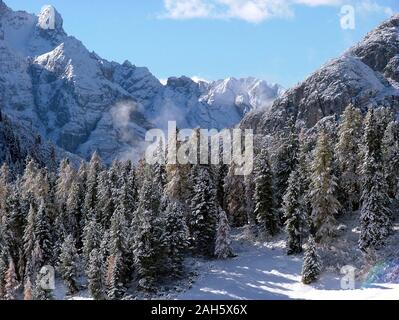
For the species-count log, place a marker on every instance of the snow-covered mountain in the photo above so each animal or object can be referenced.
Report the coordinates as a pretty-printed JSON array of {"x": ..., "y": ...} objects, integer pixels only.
[
  {"x": 367, "y": 75},
  {"x": 51, "y": 83}
]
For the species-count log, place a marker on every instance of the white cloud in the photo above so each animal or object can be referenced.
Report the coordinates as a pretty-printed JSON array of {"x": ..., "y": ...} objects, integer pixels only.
[
  {"x": 256, "y": 11},
  {"x": 371, "y": 7},
  {"x": 198, "y": 79},
  {"x": 253, "y": 11},
  {"x": 315, "y": 3},
  {"x": 187, "y": 9}
]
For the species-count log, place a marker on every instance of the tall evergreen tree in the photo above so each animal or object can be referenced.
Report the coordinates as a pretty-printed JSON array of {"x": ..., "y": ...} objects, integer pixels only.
[
  {"x": 285, "y": 161},
  {"x": 311, "y": 264},
  {"x": 264, "y": 201},
  {"x": 294, "y": 216},
  {"x": 223, "y": 248},
  {"x": 42, "y": 233},
  {"x": 175, "y": 237},
  {"x": 202, "y": 221},
  {"x": 147, "y": 226},
  {"x": 68, "y": 264},
  {"x": 11, "y": 283},
  {"x": 95, "y": 275},
  {"x": 375, "y": 217},
  {"x": 390, "y": 153},
  {"x": 347, "y": 152},
  {"x": 323, "y": 186},
  {"x": 235, "y": 197},
  {"x": 91, "y": 240},
  {"x": 91, "y": 194}
]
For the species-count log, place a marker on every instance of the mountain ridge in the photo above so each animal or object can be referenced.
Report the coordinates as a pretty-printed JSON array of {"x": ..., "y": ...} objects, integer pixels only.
[
  {"x": 366, "y": 75},
  {"x": 75, "y": 98}
]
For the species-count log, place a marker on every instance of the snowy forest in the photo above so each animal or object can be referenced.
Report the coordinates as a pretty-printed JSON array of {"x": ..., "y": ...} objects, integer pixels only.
[{"x": 124, "y": 229}]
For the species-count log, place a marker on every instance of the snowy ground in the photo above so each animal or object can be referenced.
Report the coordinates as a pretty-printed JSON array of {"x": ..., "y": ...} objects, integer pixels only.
[{"x": 265, "y": 272}]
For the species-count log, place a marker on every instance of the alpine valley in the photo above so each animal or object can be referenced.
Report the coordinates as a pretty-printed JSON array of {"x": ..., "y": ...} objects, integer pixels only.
[{"x": 317, "y": 218}]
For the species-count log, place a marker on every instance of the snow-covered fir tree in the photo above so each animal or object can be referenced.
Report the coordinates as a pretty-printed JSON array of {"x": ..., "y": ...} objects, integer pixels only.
[
  {"x": 294, "y": 214},
  {"x": 348, "y": 156},
  {"x": 95, "y": 275},
  {"x": 92, "y": 236},
  {"x": 106, "y": 197},
  {"x": 29, "y": 234},
  {"x": 390, "y": 153},
  {"x": 91, "y": 195},
  {"x": 325, "y": 204},
  {"x": 68, "y": 264},
  {"x": 375, "y": 216},
  {"x": 42, "y": 233},
  {"x": 202, "y": 220},
  {"x": 223, "y": 249},
  {"x": 147, "y": 227},
  {"x": 311, "y": 263},
  {"x": 235, "y": 196},
  {"x": 118, "y": 250},
  {"x": 285, "y": 152},
  {"x": 175, "y": 238},
  {"x": 265, "y": 211}
]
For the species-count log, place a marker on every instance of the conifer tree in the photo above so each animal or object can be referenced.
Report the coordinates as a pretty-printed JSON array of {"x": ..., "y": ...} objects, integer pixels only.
[
  {"x": 264, "y": 201},
  {"x": 294, "y": 215},
  {"x": 390, "y": 153},
  {"x": 11, "y": 283},
  {"x": 223, "y": 248},
  {"x": 235, "y": 197},
  {"x": 175, "y": 238},
  {"x": 375, "y": 216},
  {"x": 348, "y": 152},
  {"x": 29, "y": 233},
  {"x": 285, "y": 161},
  {"x": 147, "y": 226},
  {"x": 28, "y": 289},
  {"x": 118, "y": 249},
  {"x": 91, "y": 194},
  {"x": 74, "y": 206},
  {"x": 115, "y": 288},
  {"x": 91, "y": 240},
  {"x": 3, "y": 269},
  {"x": 202, "y": 221},
  {"x": 95, "y": 275},
  {"x": 106, "y": 197},
  {"x": 311, "y": 264},
  {"x": 42, "y": 233},
  {"x": 68, "y": 264},
  {"x": 324, "y": 202}
]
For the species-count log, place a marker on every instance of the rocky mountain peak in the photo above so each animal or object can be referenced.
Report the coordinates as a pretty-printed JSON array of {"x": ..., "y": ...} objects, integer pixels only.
[{"x": 367, "y": 75}]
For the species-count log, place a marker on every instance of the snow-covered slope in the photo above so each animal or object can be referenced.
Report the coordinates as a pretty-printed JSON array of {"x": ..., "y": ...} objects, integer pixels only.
[{"x": 84, "y": 103}]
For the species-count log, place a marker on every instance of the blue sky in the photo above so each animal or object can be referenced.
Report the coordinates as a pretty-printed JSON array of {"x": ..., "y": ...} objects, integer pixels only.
[{"x": 277, "y": 40}]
